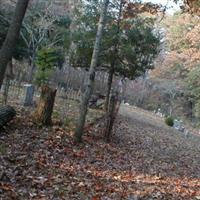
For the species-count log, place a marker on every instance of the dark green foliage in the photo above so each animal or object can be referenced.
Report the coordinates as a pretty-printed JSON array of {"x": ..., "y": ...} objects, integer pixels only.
[
  {"x": 138, "y": 48},
  {"x": 169, "y": 121},
  {"x": 63, "y": 21},
  {"x": 81, "y": 55},
  {"x": 136, "y": 43},
  {"x": 47, "y": 60},
  {"x": 83, "y": 37}
]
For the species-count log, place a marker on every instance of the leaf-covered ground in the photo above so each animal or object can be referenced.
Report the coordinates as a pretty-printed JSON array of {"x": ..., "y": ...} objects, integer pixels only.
[{"x": 145, "y": 160}]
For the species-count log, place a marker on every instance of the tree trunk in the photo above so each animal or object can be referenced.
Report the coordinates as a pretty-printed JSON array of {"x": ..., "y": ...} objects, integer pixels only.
[
  {"x": 45, "y": 107},
  {"x": 32, "y": 68},
  {"x": 8, "y": 76},
  {"x": 90, "y": 83},
  {"x": 8, "y": 46},
  {"x": 6, "y": 90},
  {"x": 112, "y": 66},
  {"x": 109, "y": 86},
  {"x": 113, "y": 108}
]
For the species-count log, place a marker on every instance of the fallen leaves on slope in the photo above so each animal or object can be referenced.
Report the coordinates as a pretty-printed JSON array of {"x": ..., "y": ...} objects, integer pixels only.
[{"x": 143, "y": 161}]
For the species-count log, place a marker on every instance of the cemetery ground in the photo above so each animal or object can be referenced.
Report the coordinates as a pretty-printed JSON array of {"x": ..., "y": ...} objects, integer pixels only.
[{"x": 144, "y": 160}]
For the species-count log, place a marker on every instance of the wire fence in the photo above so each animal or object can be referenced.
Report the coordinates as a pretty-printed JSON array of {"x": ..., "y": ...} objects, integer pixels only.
[{"x": 67, "y": 101}]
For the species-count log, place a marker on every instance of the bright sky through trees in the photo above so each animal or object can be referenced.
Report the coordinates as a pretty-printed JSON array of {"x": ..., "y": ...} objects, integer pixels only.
[{"x": 172, "y": 7}]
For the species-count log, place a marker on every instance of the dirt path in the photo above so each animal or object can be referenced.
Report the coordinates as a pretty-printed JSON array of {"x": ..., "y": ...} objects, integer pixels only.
[{"x": 171, "y": 152}]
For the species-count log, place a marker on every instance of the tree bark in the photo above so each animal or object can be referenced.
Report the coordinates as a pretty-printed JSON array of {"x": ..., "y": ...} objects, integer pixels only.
[
  {"x": 32, "y": 67},
  {"x": 113, "y": 109},
  {"x": 8, "y": 76},
  {"x": 8, "y": 46},
  {"x": 6, "y": 90},
  {"x": 109, "y": 86},
  {"x": 45, "y": 107},
  {"x": 90, "y": 83}
]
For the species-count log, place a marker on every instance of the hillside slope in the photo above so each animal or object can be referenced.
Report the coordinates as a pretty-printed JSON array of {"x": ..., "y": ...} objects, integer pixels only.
[{"x": 146, "y": 160}]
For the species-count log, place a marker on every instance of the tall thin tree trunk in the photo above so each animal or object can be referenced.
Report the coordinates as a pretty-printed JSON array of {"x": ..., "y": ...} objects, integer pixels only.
[
  {"x": 6, "y": 90},
  {"x": 32, "y": 68},
  {"x": 8, "y": 46},
  {"x": 8, "y": 76},
  {"x": 90, "y": 83},
  {"x": 115, "y": 53},
  {"x": 109, "y": 86}
]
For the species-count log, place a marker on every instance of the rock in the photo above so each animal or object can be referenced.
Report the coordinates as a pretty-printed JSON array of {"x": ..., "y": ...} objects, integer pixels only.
[
  {"x": 100, "y": 103},
  {"x": 96, "y": 101},
  {"x": 7, "y": 113}
]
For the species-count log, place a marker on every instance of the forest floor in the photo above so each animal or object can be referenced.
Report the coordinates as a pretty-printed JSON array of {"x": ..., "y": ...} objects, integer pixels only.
[{"x": 145, "y": 160}]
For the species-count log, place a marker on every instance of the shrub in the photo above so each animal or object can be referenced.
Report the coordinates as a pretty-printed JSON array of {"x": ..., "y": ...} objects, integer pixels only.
[{"x": 169, "y": 121}]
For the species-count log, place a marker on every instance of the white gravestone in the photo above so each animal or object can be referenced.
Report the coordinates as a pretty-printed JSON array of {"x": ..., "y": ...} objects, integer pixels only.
[{"x": 178, "y": 125}]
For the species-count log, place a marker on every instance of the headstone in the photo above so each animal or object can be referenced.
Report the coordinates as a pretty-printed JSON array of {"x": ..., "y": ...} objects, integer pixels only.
[
  {"x": 29, "y": 93},
  {"x": 159, "y": 113},
  {"x": 186, "y": 132},
  {"x": 178, "y": 125}
]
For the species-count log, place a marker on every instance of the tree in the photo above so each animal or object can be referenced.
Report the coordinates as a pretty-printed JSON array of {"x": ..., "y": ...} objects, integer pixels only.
[
  {"x": 192, "y": 6},
  {"x": 181, "y": 46},
  {"x": 179, "y": 56},
  {"x": 90, "y": 82},
  {"x": 128, "y": 48},
  {"x": 193, "y": 88},
  {"x": 115, "y": 53},
  {"x": 7, "y": 48},
  {"x": 47, "y": 60},
  {"x": 42, "y": 28}
]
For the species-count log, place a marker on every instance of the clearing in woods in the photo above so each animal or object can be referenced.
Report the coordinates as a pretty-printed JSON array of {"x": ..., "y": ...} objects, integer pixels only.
[{"x": 145, "y": 160}]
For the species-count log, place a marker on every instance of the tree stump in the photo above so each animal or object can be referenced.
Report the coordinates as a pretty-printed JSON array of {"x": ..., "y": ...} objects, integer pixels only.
[
  {"x": 29, "y": 93},
  {"x": 7, "y": 113},
  {"x": 45, "y": 106}
]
